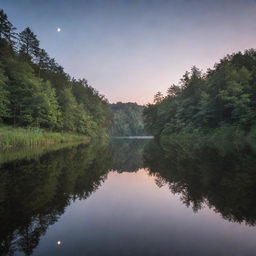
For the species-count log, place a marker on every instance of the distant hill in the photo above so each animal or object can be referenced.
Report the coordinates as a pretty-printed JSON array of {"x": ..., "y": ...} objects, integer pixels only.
[{"x": 127, "y": 119}]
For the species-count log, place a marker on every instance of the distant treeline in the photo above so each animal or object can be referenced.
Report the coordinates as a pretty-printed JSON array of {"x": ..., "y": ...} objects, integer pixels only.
[
  {"x": 127, "y": 119},
  {"x": 224, "y": 96},
  {"x": 35, "y": 91}
]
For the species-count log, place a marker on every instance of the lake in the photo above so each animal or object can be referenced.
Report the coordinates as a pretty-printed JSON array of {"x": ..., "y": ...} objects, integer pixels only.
[{"x": 130, "y": 197}]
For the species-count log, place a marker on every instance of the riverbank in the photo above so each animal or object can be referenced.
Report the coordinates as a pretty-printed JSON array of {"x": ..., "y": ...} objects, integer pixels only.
[
  {"x": 226, "y": 136},
  {"x": 11, "y": 137}
]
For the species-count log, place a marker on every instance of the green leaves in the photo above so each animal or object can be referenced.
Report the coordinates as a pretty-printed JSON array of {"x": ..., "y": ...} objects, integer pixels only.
[
  {"x": 4, "y": 96},
  {"x": 224, "y": 95},
  {"x": 35, "y": 91},
  {"x": 127, "y": 119}
]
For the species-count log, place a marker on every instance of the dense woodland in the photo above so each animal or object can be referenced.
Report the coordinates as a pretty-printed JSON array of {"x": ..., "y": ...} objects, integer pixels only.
[
  {"x": 224, "y": 96},
  {"x": 36, "y": 92},
  {"x": 127, "y": 119}
]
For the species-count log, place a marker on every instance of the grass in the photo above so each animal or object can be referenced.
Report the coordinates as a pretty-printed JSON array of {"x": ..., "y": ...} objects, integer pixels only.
[{"x": 11, "y": 137}]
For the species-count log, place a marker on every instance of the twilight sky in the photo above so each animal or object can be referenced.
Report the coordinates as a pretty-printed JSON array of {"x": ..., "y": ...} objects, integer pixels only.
[{"x": 130, "y": 49}]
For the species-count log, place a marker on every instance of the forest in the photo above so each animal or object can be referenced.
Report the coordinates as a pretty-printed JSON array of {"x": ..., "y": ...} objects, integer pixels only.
[
  {"x": 223, "y": 98},
  {"x": 36, "y": 92},
  {"x": 127, "y": 119}
]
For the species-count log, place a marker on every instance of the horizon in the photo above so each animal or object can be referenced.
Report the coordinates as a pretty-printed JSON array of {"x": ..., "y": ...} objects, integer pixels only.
[{"x": 130, "y": 50}]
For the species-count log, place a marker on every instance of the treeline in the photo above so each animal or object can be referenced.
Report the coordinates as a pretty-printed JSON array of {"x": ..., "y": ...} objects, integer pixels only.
[
  {"x": 224, "y": 96},
  {"x": 36, "y": 92},
  {"x": 127, "y": 119}
]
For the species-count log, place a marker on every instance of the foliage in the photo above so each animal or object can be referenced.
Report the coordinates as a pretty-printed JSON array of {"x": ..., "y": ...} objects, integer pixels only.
[
  {"x": 127, "y": 119},
  {"x": 4, "y": 96},
  {"x": 224, "y": 95},
  {"x": 36, "y": 92}
]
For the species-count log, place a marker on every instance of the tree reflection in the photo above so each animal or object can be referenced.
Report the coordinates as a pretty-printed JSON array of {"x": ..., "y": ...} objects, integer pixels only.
[
  {"x": 34, "y": 193},
  {"x": 223, "y": 176},
  {"x": 127, "y": 154}
]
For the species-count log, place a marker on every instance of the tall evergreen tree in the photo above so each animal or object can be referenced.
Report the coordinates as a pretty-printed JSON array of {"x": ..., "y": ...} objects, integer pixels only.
[
  {"x": 7, "y": 30},
  {"x": 29, "y": 44}
]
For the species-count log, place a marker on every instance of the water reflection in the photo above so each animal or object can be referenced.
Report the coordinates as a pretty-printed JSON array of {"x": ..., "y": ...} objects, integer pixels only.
[
  {"x": 36, "y": 192},
  {"x": 127, "y": 154},
  {"x": 222, "y": 177}
]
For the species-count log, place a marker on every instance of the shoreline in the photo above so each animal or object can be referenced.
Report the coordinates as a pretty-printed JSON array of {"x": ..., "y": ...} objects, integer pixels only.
[
  {"x": 12, "y": 138},
  {"x": 132, "y": 137}
]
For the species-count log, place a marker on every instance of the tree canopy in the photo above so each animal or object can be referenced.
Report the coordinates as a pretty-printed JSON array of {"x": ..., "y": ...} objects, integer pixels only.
[
  {"x": 223, "y": 96},
  {"x": 35, "y": 90},
  {"x": 127, "y": 119}
]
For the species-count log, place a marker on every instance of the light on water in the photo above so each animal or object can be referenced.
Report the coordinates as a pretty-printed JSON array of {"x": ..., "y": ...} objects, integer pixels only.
[{"x": 130, "y": 198}]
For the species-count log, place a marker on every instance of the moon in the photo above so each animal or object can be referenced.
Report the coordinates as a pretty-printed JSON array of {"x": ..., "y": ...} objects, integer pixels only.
[{"x": 58, "y": 29}]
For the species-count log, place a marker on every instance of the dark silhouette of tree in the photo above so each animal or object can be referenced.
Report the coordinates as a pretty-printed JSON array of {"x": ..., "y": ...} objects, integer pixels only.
[
  {"x": 7, "y": 30},
  {"x": 29, "y": 44}
]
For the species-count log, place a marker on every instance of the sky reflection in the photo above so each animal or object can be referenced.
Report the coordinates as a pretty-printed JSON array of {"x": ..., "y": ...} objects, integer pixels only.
[{"x": 130, "y": 215}]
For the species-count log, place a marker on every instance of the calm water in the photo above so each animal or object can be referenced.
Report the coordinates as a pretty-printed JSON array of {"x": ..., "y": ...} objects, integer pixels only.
[{"x": 130, "y": 198}]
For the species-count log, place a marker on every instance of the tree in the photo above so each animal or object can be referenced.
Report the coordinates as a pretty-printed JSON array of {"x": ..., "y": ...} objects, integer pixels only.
[
  {"x": 43, "y": 60},
  {"x": 158, "y": 97},
  {"x": 69, "y": 108},
  {"x": 33, "y": 101},
  {"x": 7, "y": 30},
  {"x": 225, "y": 95},
  {"x": 35, "y": 90},
  {"x": 173, "y": 91},
  {"x": 4, "y": 96},
  {"x": 48, "y": 113},
  {"x": 29, "y": 44},
  {"x": 127, "y": 119},
  {"x": 3, "y": 24}
]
